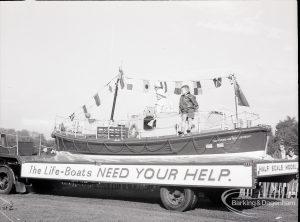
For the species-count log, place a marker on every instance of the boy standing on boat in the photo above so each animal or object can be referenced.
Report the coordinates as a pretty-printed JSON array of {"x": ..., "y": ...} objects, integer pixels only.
[{"x": 188, "y": 105}]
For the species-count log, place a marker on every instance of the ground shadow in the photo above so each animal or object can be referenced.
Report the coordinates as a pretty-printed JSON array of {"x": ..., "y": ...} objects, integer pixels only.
[
  {"x": 128, "y": 192},
  {"x": 123, "y": 192}
]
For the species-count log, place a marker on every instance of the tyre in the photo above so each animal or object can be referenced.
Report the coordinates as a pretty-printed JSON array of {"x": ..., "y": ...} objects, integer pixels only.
[
  {"x": 177, "y": 199},
  {"x": 6, "y": 180},
  {"x": 194, "y": 202}
]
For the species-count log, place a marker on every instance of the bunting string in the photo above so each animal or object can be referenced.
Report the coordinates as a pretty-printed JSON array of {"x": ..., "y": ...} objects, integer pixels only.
[
  {"x": 182, "y": 80},
  {"x": 80, "y": 110},
  {"x": 158, "y": 86}
]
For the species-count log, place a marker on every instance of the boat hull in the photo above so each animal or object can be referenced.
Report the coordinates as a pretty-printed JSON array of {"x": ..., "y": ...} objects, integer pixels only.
[{"x": 221, "y": 142}]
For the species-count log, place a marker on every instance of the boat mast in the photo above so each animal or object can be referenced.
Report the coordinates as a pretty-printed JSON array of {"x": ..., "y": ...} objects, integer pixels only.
[
  {"x": 115, "y": 96},
  {"x": 235, "y": 99}
]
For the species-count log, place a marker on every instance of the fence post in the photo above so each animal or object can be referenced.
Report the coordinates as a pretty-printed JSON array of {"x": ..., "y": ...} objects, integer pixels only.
[
  {"x": 295, "y": 185},
  {"x": 275, "y": 189},
  {"x": 242, "y": 192},
  {"x": 266, "y": 189},
  {"x": 283, "y": 185},
  {"x": 17, "y": 139}
]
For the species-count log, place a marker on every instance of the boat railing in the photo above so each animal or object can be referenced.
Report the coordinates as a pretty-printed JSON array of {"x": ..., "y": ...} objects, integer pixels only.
[{"x": 168, "y": 124}]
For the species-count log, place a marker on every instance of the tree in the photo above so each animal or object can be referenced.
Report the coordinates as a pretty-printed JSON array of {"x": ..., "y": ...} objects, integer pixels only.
[
  {"x": 286, "y": 130},
  {"x": 26, "y": 135}
]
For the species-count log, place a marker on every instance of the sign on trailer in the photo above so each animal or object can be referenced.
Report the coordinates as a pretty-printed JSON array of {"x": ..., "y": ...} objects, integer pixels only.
[
  {"x": 271, "y": 169},
  {"x": 191, "y": 175}
]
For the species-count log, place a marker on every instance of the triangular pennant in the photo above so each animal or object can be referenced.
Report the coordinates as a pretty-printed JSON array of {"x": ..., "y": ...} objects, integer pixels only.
[
  {"x": 87, "y": 115},
  {"x": 97, "y": 99},
  {"x": 242, "y": 101},
  {"x": 84, "y": 109},
  {"x": 121, "y": 78},
  {"x": 110, "y": 89}
]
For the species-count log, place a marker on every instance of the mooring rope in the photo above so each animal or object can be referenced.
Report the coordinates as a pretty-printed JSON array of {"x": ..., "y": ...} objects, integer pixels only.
[
  {"x": 113, "y": 151},
  {"x": 152, "y": 151},
  {"x": 197, "y": 145},
  {"x": 179, "y": 150},
  {"x": 133, "y": 150}
]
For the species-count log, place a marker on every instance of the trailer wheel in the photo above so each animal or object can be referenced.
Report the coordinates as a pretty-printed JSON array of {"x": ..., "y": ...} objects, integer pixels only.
[
  {"x": 194, "y": 202},
  {"x": 177, "y": 199},
  {"x": 6, "y": 180}
]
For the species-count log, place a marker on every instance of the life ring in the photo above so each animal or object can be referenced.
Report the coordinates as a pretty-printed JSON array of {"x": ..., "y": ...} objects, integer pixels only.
[{"x": 133, "y": 131}]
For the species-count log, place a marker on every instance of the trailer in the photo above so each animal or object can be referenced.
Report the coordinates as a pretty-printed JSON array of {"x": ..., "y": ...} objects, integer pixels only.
[{"x": 180, "y": 178}]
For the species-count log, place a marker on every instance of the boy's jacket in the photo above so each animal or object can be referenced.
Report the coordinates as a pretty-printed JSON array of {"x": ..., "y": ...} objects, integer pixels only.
[{"x": 188, "y": 103}]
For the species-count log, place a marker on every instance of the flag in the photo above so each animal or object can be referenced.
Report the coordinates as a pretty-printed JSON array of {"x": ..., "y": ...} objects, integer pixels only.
[
  {"x": 197, "y": 88},
  {"x": 121, "y": 78},
  {"x": 84, "y": 109},
  {"x": 178, "y": 85},
  {"x": 242, "y": 101},
  {"x": 164, "y": 86},
  {"x": 110, "y": 89},
  {"x": 87, "y": 115},
  {"x": 146, "y": 84},
  {"x": 217, "y": 82},
  {"x": 161, "y": 85},
  {"x": 72, "y": 116},
  {"x": 129, "y": 86},
  {"x": 97, "y": 99}
]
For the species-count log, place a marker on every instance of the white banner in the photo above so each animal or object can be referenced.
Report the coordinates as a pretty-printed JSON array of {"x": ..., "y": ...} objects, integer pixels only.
[
  {"x": 192, "y": 175},
  {"x": 269, "y": 169}
]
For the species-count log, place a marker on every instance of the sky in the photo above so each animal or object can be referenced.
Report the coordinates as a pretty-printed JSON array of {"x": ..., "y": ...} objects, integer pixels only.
[{"x": 54, "y": 56}]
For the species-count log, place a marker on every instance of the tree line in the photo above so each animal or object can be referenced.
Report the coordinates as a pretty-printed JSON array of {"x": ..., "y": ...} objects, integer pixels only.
[
  {"x": 26, "y": 136},
  {"x": 287, "y": 131}
]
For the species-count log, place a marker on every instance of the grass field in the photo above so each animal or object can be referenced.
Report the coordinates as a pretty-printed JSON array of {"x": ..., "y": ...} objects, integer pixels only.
[{"x": 87, "y": 204}]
